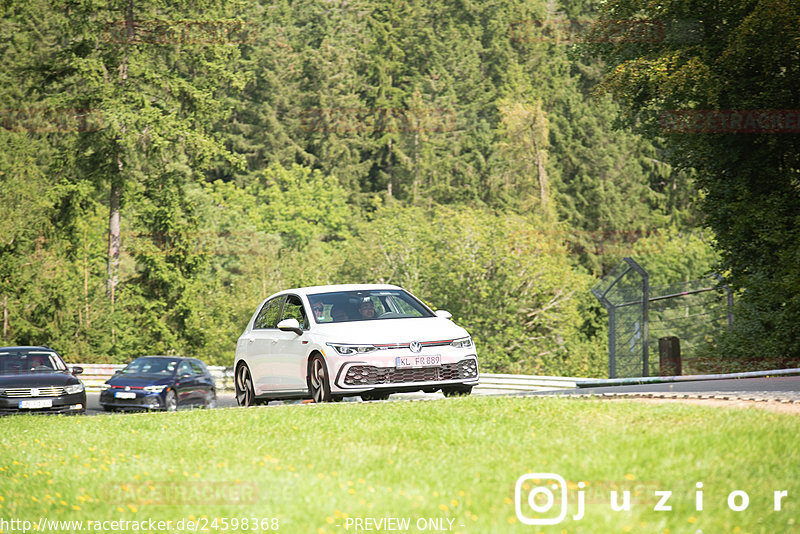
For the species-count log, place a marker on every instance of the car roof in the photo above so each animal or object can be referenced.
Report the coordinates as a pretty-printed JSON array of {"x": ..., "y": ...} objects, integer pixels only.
[
  {"x": 28, "y": 347},
  {"x": 334, "y": 288},
  {"x": 170, "y": 357}
]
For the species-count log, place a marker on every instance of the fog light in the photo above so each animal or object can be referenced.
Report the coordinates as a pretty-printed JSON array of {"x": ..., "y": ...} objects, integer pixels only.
[{"x": 76, "y": 407}]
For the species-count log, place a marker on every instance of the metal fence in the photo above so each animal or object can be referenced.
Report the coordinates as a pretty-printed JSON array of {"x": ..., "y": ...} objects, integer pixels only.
[{"x": 639, "y": 314}]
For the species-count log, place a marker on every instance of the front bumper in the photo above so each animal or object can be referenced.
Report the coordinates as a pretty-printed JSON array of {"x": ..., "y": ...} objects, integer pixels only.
[
  {"x": 65, "y": 404},
  {"x": 142, "y": 401},
  {"x": 363, "y": 376}
]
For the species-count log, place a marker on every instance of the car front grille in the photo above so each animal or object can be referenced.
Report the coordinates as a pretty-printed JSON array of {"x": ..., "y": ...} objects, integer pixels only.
[
  {"x": 363, "y": 375},
  {"x": 53, "y": 391},
  {"x": 143, "y": 401}
]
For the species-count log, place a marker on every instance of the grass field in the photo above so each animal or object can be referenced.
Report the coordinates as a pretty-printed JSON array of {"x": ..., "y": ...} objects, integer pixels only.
[{"x": 442, "y": 466}]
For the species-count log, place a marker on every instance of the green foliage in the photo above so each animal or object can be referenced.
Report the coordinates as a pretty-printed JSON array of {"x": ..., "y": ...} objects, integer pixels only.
[
  {"x": 670, "y": 256},
  {"x": 735, "y": 57}
]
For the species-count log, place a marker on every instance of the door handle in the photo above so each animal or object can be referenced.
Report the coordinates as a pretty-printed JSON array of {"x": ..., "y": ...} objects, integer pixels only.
[{"x": 250, "y": 339}]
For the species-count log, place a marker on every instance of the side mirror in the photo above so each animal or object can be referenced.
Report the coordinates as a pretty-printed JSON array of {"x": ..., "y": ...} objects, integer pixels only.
[
  {"x": 77, "y": 370},
  {"x": 290, "y": 325},
  {"x": 444, "y": 314}
]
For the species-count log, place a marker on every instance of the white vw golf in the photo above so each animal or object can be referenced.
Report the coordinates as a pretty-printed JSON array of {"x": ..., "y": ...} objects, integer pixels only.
[{"x": 328, "y": 342}]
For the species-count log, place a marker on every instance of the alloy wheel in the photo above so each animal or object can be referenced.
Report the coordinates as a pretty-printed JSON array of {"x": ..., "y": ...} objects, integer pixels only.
[
  {"x": 171, "y": 401},
  {"x": 244, "y": 387},
  {"x": 318, "y": 380}
]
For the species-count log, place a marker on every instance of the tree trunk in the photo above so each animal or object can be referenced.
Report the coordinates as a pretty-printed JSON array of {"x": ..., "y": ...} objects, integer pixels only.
[
  {"x": 542, "y": 174},
  {"x": 114, "y": 245},
  {"x": 86, "y": 277},
  {"x": 113, "y": 237},
  {"x": 415, "y": 189}
]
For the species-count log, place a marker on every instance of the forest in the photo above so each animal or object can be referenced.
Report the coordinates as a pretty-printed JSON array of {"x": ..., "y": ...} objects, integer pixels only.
[{"x": 166, "y": 165}]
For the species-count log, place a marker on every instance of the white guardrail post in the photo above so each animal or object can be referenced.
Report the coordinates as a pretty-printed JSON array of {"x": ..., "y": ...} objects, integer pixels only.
[{"x": 94, "y": 374}]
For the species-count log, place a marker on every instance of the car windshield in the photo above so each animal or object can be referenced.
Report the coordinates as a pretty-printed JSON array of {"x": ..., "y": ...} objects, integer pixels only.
[
  {"x": 367, "y": 305},
  {"x": 151, "y": 366},
  {"x": 30, "y": 361}
]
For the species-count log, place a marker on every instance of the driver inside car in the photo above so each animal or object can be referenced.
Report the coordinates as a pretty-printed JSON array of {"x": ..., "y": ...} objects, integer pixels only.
[
  {"x": 318, "y": 309},
  {"x": 366, "y": 309}
]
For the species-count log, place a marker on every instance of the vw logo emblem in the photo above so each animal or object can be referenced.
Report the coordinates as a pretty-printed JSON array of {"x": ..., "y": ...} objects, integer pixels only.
[
  {"x": 34, "y": 392},
  {"x": 127, "y": 388},
  {"x": 415, "y": 346}
]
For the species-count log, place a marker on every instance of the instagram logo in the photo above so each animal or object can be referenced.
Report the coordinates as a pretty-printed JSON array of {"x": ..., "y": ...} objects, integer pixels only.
[{"x": 541, "y": 499}]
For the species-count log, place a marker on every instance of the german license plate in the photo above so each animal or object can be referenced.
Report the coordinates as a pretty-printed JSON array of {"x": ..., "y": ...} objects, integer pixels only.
[
  {"x": 430, "y": 360},
  {"x": 125, "y": 395},
  {"x": 34, "y": 404}
]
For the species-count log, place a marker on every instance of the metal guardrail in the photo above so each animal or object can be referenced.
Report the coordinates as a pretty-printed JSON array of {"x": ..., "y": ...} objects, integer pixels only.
[
  {"x": 504, "y": 383},
  {"x": 94, "y": 374}
]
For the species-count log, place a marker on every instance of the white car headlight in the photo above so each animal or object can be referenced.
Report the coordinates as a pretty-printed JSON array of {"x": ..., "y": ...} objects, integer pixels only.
[
  {"x": 349, "y": 350},
  {"x": 462, "y": 343},
  {"x": 73, "y": 388},
  {"x": 155, "y": 389},
  {"x": 104, "y": 387}
]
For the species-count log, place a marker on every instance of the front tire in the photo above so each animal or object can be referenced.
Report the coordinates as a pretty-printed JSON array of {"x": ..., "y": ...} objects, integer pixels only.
[
  {"x": 211, "y": 400},
  {"x": 170, "y": 401},
  {"x": 318, "y": 382},
  {"x": 245, "y": 396}
]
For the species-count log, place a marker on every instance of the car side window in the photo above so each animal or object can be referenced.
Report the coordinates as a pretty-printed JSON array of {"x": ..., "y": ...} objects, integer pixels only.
[
  {"x": 184, "y": 369},
  {"x": 197, "y": 368},
  {"x": 269, "y": 316},
  {"x": 294, "y": 310}
]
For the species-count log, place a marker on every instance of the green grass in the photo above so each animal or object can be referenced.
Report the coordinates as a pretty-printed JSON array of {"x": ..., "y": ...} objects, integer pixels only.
[{"x": 314, "y": 466}]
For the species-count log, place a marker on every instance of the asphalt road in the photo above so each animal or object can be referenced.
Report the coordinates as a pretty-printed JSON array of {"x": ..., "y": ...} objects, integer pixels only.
[
  {"x": 228, "y": 400},
  {"x": 224, "y": 400},
  {"x": 774, "y": 387}
]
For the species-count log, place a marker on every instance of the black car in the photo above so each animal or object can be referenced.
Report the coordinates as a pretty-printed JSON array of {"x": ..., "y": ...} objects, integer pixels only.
[
  {"x": 36, "y": 380},
  {"x": 159, "y": 383}
]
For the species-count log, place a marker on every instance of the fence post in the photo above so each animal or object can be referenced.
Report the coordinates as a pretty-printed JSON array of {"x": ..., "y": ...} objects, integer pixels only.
[
  {"x": 729, "y": 294},
  {"x": 669, "y": 352},
  {"x": 645, "y": 314},
  {"x": 612, "y": 342},
  {"x": 730, "y": 308}
]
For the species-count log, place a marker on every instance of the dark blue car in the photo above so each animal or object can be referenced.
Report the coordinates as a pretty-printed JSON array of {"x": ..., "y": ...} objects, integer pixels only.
[{"x": 159, "y": 383}]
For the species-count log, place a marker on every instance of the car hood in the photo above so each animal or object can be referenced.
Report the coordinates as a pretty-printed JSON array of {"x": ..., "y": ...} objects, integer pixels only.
[
  {"x": 36, "y": 380},
  {"x": 138, "y": 380},
  {"x": 390, "y": 331}
]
